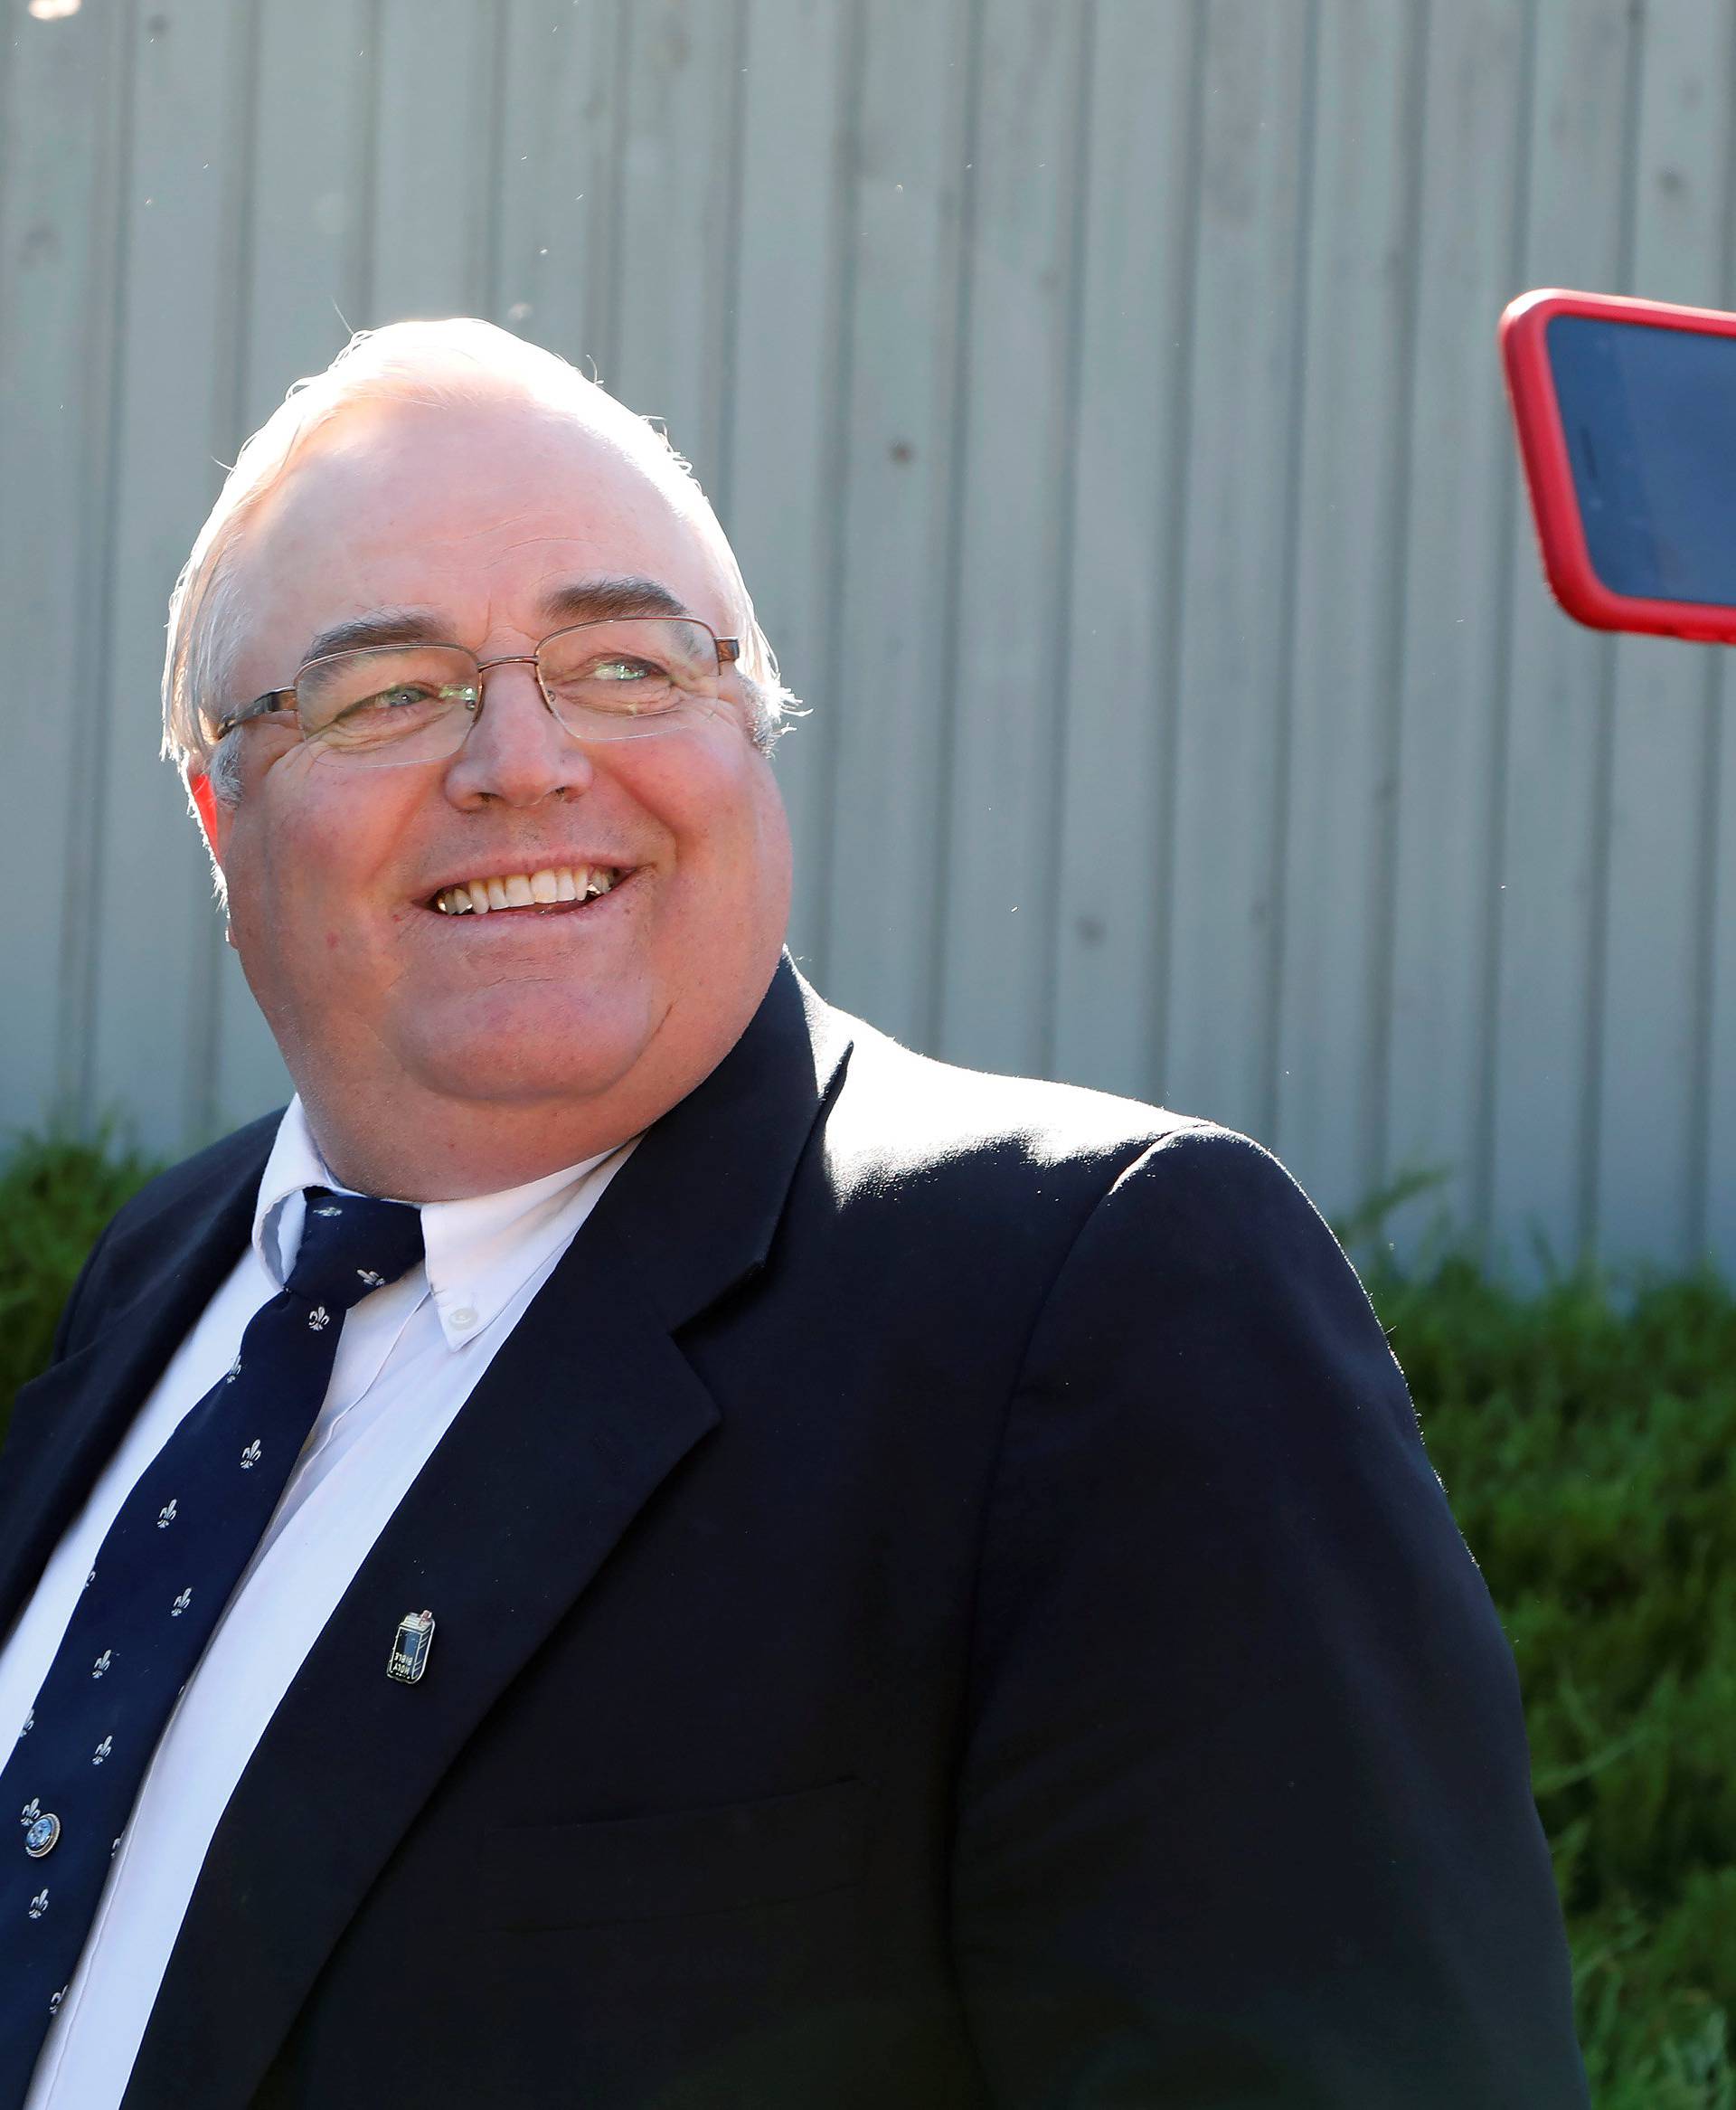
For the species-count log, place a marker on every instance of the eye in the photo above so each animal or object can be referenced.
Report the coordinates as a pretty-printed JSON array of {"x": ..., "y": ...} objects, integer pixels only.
[
  {"x": 606, "y": 684},
  {"x": 625, "y": 669},
  {"x": 402, "y": 708},
  {"x": 404, "y": 699}
]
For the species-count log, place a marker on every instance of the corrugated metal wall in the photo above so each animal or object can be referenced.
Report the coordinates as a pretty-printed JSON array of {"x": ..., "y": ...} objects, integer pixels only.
[{"x": 1102, "y": 397}]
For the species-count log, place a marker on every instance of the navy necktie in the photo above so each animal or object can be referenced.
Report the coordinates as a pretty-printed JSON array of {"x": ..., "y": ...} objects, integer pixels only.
[{"x": 164, "y": 1574}]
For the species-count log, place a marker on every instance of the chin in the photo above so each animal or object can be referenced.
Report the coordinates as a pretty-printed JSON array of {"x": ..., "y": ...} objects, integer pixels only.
[{"x": 522, "y": 1047}]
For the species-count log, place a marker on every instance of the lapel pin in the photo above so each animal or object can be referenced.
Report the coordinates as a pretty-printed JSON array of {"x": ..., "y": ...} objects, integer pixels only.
[{"x": 409, "y": 1648}]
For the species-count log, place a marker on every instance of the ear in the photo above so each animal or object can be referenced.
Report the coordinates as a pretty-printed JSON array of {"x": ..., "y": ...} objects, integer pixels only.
[{"x": 214, "y": 815}]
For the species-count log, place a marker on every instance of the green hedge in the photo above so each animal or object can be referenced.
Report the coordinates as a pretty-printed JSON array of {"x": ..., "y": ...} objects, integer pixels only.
[
  {"x": 1587, "y": 1441},
  {"x": 55, "y": 1195},
  {"x": 1588, "y": 1444}
]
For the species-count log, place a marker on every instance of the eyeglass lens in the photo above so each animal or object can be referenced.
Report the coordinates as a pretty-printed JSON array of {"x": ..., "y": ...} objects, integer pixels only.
[{"x": 616, "y": 680}]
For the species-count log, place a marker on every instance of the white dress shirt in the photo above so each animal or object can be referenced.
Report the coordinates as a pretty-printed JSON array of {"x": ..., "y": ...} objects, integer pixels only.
[{"x": 407, "y": 1361}]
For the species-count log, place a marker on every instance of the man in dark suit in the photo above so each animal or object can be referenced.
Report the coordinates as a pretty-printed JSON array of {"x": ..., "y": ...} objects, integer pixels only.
[{"x": 927, "y": 1590}]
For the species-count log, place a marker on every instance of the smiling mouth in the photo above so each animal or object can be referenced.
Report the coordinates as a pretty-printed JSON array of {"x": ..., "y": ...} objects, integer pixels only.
[{"x": 554, "y": 886}]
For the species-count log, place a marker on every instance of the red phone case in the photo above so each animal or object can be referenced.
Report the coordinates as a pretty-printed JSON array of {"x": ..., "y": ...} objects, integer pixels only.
[{"x": 1542, "y": 448}]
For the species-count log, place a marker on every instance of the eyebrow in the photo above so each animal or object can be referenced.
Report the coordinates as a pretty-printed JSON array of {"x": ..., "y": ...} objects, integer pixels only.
[
  {"x": 581, "y": 601},
  {"x": 600, "y": 600}
]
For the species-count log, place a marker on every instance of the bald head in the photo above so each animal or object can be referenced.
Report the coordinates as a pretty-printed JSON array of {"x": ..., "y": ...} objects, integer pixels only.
[{"x": 411, "y": 366}]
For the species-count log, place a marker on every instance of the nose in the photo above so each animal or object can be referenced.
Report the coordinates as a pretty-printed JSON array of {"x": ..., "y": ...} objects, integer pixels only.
[{"x": 517, "y": 752}]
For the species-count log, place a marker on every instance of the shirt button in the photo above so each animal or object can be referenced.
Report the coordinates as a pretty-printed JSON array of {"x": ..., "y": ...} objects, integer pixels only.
[{"x": 464, "y": 1315}]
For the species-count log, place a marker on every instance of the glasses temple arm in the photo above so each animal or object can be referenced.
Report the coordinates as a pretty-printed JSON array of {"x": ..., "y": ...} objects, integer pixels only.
[{"x": 274, "y": 699}]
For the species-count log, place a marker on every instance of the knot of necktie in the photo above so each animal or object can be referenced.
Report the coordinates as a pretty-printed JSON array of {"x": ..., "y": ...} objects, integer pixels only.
[{"x": 351, "y": 1245}]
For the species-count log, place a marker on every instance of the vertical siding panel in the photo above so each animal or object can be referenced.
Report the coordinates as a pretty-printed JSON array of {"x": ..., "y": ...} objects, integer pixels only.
[
  {"x": 1561, "y": 674},
  {"x": 154, "y": 962},
  {"x": 883, "y": 695},
  {"x": 1350, "y": 547},
  {"x": 65, "y": 92},
  {"x": 676, "y": 264},
  {"x": 781, "y": 459},
  {"x": 1040, "y": 399},
  {"x": 1650, "y": 1140},
  {"x": 1003, "y": 820},
  {"x": 234, "y": 265},
  {"x": 1461, "y": 491},
  {"x": 310, "y": 116},
  {"x": 550, "y": 271},
  {"x": 311, "y": 112},
  {"x": 1245, "y": 323},
  {"x": 1118, "y": 704},
  {"x": 434, "y": 125}
]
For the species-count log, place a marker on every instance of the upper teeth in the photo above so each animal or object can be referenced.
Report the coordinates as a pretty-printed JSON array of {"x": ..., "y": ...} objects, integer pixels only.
[{"x": 526, "y": 889}]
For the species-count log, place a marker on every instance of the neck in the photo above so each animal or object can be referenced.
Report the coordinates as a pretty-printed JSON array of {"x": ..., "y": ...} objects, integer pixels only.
[
  {"x": 463, "y": 1152},
  {"x": 418, "y": 1133}
]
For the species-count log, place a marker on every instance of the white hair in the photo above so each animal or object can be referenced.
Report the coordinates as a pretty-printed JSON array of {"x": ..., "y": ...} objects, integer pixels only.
[{"x": 439, "y": 363}]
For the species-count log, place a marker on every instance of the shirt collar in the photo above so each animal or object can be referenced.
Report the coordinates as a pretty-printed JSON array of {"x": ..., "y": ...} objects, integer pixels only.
[{"x": 479, "y": 1252}]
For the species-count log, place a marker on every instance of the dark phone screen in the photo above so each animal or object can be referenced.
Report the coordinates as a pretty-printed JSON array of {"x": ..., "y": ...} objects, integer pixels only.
[{"x": 1650, "y": 419}]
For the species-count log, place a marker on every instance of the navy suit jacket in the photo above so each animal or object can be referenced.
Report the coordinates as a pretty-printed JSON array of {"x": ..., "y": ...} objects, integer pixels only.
[{"x": 941, "y": 1602}]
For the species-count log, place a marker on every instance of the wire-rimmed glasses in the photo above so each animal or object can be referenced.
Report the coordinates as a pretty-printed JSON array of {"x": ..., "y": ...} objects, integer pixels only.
[{"x": 622, "y": 679}]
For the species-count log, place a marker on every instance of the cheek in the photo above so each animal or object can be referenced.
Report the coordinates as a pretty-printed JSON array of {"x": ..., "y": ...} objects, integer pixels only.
[
  {"x": 743, "y": 875},
  {"x": 721, "y": 806},
  {"x": 295, "y": 862},
  {"x": 767, "y": 834}
]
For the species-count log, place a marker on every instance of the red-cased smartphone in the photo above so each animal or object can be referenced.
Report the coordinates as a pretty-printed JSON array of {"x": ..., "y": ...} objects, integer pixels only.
[{"x": 1626, "y": 413}]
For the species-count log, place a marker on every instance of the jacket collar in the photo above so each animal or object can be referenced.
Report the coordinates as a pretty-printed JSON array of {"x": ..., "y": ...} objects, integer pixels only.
[
  {"x": 689, "y": 1218},
  {"x": 734, "y": 1144}
]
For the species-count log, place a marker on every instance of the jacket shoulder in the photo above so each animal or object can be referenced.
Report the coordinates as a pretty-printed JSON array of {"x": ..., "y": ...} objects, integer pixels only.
[
  {"x": 209, "y": 1176},
  {"x": 903, "y": 1115},
  {"x": 221, "y": 1177},
  {"x": 1001, "y": 1166}
]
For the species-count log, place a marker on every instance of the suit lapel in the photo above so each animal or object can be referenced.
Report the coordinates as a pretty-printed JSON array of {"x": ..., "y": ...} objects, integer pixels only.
[
  {"x": 583, "y": 1414},
  {"x": 65, "y": 1424}
]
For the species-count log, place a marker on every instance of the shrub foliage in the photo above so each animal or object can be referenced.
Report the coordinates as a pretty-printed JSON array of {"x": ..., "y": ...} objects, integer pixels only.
[
  {"x": 1588, "y": 1441},
  {"x": 56, "y": 1194}
]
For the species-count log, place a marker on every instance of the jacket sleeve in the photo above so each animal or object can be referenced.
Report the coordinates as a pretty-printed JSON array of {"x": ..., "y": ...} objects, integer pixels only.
[{"x": 1244, "y": 1812}]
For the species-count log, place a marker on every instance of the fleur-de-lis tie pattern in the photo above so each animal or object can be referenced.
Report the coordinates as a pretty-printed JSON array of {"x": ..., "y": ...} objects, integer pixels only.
[{"x": 165, "y": 1572}]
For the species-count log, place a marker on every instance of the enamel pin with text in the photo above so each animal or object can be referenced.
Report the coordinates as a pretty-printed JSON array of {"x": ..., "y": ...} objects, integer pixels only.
[{"x": 409, "y": 1648}]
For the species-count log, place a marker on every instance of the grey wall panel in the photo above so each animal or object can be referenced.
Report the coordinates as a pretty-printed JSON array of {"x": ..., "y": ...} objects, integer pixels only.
[
  {"x": 1345, "y": 590},
  {"x": 438, "y": 127},
  {"x": 870, "y": 869},
  {"x": 1103, "y": 399},
  {"x": 997, "y": 874},
  {"x": 677, "y": 263},
  {"x": 556, "y": 197},
  {"x": 64, "y": 109},
  {"x": 1475, "y": 118},
  {"x": 310, "y": 108},
  {"x": 1559, "y": 688},
  {"x": 1140, "y": 213},
  {"x": 183, "y": 189},
  {"x": 1231, "y": 750},
  {"x": 777, "y": 341}
]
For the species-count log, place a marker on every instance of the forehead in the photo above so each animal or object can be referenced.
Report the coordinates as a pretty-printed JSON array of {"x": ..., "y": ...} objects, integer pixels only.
[{"x": 478, "y": 511}]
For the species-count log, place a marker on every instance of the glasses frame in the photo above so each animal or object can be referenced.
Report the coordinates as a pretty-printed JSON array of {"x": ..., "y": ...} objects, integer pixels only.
[{"x": 275, "y": 700}]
